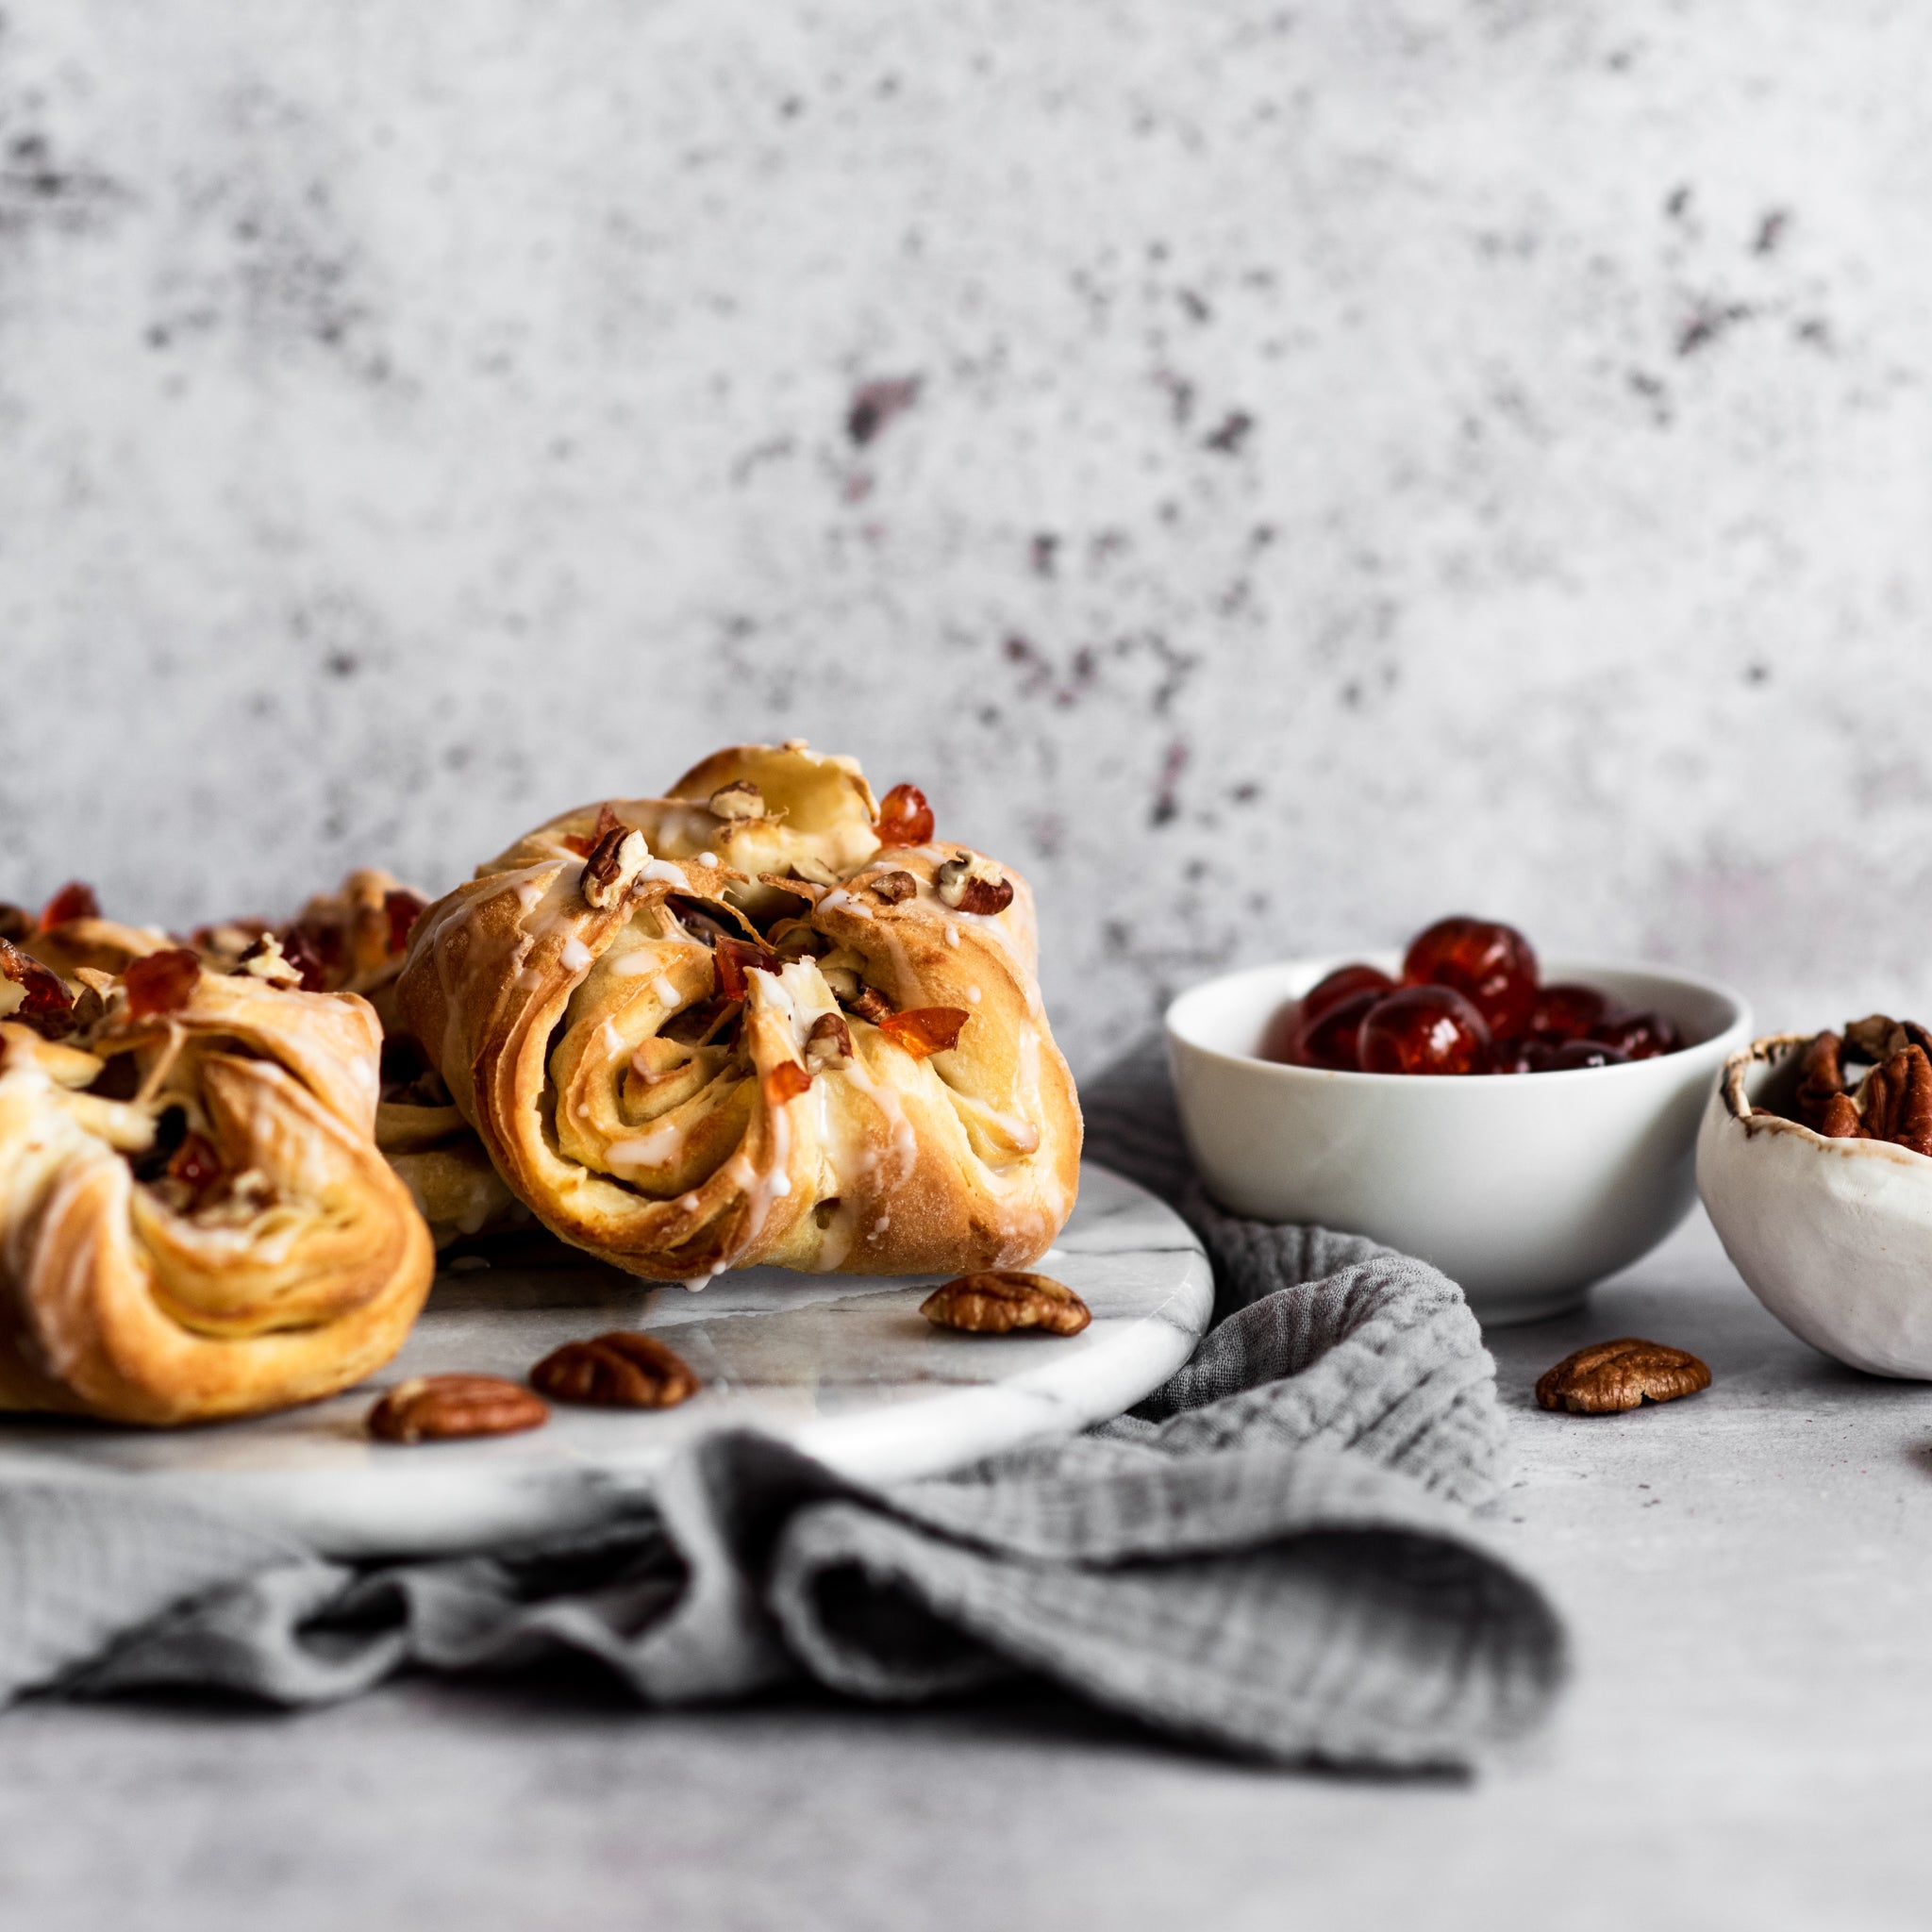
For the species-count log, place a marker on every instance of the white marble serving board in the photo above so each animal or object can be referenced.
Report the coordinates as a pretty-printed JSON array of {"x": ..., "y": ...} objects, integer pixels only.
[{"x": 843, "y": 1366}]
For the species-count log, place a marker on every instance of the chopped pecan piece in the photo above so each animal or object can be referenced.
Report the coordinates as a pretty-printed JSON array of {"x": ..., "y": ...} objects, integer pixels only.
[
  {"x": 868, "y": 1003},
  {"x": 829, "y": 1040},
  {"x": 893, "y": 886},
  {"x": 998, "y": 1300},
  {"x": 584, "y": 843},
  {"x": 923, "y": 1031},
  {"x": 1610, "y": 1377},
  {"x": 741, "y": 799},
  {"x": 265, "y": 959},
  {"x": 439, "y": 1408},
  {"x": 973, "y": 884},
  {"x": 905, "y": 818},
  {"x": 614, "y": 863},
  {"x": 624, "y": 1369},
  {"x": 42, "y": 1000},
  {"x": 161, "y": 982}
]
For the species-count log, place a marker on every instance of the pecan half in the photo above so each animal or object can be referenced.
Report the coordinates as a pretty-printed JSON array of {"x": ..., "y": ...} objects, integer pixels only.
[
  {"x": 1610, "y": 1377},
  {"x": 893, "y": 886},
  {"x": 996, "y": 1301},
  {"x": 442, "y": 1408},
  {"x": 1896, "y": 1101},
  {"x": 614, "y": 863},
  {"x": 1821, "y": 1081},
  {"x": 624, "y": 1369},
  {"x": 741, "y": 799},
  {"x": 973, "y": 884}
]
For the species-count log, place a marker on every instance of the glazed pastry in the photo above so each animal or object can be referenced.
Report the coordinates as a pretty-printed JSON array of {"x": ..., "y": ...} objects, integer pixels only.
[
  {"x": 353, "y": 939},
  {"x": 195, "y": 1220},
  {"x": 756, "y": 1021}
]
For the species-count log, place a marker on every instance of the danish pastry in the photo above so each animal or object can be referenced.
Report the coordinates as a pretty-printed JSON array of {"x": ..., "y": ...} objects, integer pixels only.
[
  {"x": 195, "y": 1220},
  {"x": 759, "y": 1020}
]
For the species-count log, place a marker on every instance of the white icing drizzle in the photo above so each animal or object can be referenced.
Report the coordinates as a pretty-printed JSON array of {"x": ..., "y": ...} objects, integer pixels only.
[
  {"x": 666, "y": 990},
  {"x": 661, "y": 870},
  {"x": 971, "y": 995},
  {"x": 576, "y": 957},
  {"x": 652, "y": 1149},
  {"x": 952, "y": 934},
  {"x": 708, "y": 858}
]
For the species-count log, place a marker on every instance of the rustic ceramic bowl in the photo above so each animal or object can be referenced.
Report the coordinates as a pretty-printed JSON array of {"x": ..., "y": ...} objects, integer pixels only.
[
  {"x": 1524, "y": 1188},
  {"x": 1833, "y": 1237}
]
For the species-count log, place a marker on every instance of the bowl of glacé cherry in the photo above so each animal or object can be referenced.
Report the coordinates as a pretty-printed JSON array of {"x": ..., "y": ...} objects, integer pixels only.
[{"x": 1529, "y": 1128}]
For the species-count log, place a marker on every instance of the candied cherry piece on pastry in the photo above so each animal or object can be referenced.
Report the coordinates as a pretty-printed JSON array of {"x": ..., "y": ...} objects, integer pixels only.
[
  {"x": 1569, "y": 1010},
  {"x": 43, "y": 1002},
  {"x": 74, "y": 900},
  {"x": 402, "y": 908},
  {"x": 161, "y": 982},
  {"x": 905, "y": 818},
  {"x": 1423, "y": 1030},
  {"x": 1491, "y": 965},
  {"x": 1640, "y": 1036}
]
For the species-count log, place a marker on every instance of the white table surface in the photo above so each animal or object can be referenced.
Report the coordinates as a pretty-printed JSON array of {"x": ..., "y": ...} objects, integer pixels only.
[{"x": 1748, "y": 1741}]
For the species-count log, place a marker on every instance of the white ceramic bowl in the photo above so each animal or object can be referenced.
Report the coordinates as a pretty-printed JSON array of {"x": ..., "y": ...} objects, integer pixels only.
[
  {"x": 1524, "y": 1188},
  {"x": 1833, "y": 1237}
]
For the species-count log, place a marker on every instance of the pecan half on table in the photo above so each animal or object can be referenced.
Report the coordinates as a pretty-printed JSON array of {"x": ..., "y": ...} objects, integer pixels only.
[
  {"x": 999, "y": 1300},
  {"x": 1609, "y": 1377},
  {"x": 624, "y": 1369},
  {"x": 444, "y": 1409}
]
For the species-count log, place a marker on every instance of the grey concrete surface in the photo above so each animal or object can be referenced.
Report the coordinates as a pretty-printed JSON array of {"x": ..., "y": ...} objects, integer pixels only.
[
  {"x": 1337, "y": 461},
  {"x": 1748, "y": 1742}
]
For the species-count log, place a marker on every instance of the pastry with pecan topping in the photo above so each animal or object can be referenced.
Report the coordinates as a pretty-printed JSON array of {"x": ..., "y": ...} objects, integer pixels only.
[
  {"x": 742, "y": 1023},
  {"x": 195, "y": 1219}
]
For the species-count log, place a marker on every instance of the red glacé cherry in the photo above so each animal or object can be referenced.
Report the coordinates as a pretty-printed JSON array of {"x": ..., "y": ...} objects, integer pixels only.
[
  {"x": 1572, "y": 1054},
  {"x": 1343, "y": 983},
  {"x": 1570, "y": 1011},
  {"x": 1639, "y": 1035},
  {"x": 1304, "y": 1033},
  {"x": 1332, "y": 1039},
  {"x": 1423, "y": 1030},
  {"x": 1493, "y": 966}
]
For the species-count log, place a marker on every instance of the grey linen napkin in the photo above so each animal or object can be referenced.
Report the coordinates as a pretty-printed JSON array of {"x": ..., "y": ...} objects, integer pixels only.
[{"x": 1272, "y": 1553}]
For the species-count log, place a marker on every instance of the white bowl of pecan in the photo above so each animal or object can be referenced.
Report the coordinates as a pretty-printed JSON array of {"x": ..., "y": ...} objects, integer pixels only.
[
  {"x": 1815, "y": 1160},
  {"x": 1524, "y": 1186}
]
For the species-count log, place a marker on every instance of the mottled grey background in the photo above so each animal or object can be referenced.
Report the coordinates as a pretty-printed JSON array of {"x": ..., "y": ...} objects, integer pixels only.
[{"x": 1275, "y": 473}]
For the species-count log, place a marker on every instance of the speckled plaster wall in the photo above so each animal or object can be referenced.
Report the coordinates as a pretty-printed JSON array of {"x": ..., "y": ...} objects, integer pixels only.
[{"x": 1273, "y": 471}]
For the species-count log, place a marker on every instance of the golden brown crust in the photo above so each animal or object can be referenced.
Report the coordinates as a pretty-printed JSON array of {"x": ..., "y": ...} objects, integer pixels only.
[
  {"x": 283, "y": 1263},
  {"x": 652, "y": 1100}
]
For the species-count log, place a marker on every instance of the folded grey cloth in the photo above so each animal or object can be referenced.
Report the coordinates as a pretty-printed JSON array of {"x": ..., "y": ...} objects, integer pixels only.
[{"x": 1273, "y": 1554}]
